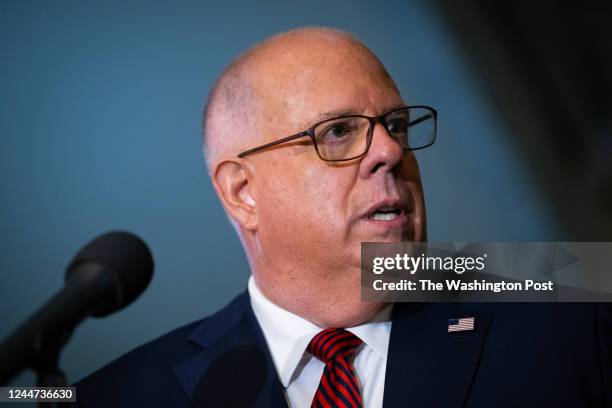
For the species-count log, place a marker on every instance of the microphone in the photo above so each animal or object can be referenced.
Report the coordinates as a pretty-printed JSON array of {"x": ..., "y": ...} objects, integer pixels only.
[
  {"x": 234, "y": 380},
  {"x": 106, "y": 275}
]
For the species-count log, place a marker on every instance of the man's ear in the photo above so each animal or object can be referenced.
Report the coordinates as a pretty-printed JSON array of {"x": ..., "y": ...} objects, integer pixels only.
[{"x": 231, "y": 178}]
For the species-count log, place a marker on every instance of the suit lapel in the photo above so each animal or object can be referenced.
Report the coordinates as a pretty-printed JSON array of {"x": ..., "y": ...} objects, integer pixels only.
[
  {"x": 233, "y": 326},
  {"x": 426, "y": 365}
]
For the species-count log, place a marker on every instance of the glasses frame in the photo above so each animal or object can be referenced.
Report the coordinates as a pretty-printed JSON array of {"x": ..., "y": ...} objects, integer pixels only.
[{"x": 373, "y": 121}]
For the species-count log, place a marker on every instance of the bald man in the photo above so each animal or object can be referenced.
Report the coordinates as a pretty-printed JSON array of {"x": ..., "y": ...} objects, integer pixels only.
[{"x": 306, "y": 143}]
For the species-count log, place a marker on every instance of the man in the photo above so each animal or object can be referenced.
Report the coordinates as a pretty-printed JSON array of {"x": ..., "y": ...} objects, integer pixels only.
[{"x": 306, "y": 141}]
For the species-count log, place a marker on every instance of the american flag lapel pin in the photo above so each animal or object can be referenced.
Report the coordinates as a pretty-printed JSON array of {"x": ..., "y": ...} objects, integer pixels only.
[{"x": 461, "y": 325}]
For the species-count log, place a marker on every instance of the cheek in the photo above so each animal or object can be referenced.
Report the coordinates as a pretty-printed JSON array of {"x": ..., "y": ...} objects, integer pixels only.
[
  {"x": 307, "y": 199},
  {"x": 412, "y": 178},
  {"x": 410, "y": 169},
  {"x": 328, "y": 191}
]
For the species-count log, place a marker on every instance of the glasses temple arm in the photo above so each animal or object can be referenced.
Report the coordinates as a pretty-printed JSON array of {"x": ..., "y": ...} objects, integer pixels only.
[
  {"x": 274, "y": 143},
  {"x": 421, "y": 119}
]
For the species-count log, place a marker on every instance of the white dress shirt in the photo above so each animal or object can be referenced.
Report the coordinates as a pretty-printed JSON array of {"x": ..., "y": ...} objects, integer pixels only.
[{"x": 288, "y": 335}]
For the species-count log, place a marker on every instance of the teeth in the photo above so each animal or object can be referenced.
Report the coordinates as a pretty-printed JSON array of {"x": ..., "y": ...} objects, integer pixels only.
[{"x": 384, "y": 216}]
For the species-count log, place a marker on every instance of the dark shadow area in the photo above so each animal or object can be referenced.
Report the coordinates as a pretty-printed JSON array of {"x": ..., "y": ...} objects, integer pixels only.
[{"x": 547, "y": 67}]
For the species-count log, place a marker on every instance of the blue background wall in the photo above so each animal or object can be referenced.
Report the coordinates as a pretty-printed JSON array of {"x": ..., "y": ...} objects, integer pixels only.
[{"x": 100, "y": 106}]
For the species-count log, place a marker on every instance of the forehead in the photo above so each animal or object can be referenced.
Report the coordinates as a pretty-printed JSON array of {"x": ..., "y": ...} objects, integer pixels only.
[{"x": 312, "y": 80}]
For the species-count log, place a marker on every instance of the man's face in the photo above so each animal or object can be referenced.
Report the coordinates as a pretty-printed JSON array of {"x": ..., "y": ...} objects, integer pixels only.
[{"x": 313, "y": 215}]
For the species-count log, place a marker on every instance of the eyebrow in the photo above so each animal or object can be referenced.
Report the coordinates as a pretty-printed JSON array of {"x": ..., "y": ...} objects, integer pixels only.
[
  {"x": 334, "y": 114},
  {"x": 347, "y": 112}
]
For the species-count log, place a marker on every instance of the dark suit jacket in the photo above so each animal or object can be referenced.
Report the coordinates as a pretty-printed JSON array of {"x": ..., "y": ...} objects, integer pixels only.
[{"x": 520, "y": 355}]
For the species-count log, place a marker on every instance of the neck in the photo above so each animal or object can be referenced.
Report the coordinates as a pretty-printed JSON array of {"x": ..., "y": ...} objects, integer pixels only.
[{"x": 324, "y": 310}]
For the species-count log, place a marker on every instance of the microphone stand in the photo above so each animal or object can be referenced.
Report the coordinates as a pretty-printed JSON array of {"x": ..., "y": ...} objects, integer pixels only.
[
  {"x": 38, "y": 342},
  {"x": 45, "y": 361}
]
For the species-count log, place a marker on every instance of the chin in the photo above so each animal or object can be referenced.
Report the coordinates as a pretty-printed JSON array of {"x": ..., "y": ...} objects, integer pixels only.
[{"x": 350, "y": 315}]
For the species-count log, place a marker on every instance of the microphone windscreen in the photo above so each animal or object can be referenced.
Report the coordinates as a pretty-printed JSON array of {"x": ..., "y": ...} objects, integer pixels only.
[
  {"x": 125, "y": 257},
  {"x": 234, "y": 380}
]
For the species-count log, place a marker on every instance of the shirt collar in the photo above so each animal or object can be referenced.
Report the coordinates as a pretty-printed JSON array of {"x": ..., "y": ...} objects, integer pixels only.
[{"x": 288, "y": 334}]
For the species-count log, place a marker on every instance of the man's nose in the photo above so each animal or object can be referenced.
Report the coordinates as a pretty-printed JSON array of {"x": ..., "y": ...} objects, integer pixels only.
[{"x": 385, "y": 153}]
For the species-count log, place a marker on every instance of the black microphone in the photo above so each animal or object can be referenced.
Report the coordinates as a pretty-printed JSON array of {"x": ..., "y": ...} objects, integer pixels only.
[
  {"x": 234, "y": 380},
  {"x": 106, "y": 275}
]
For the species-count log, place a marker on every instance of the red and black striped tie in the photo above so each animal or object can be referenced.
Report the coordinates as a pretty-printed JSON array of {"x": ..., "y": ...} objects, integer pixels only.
[{"x": 339, "y": 386}]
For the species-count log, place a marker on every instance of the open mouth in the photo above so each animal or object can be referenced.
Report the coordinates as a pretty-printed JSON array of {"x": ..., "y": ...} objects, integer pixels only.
[{"x": 385, "y": 213}]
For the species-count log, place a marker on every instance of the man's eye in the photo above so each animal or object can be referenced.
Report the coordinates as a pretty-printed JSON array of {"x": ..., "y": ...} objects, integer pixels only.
[
  {"x": 337, "y": 131},
  {"x": 398, "y": 126}
]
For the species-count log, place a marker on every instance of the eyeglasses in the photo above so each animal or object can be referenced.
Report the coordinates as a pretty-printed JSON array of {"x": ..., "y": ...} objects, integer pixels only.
[{"x": 349, "y": 137}]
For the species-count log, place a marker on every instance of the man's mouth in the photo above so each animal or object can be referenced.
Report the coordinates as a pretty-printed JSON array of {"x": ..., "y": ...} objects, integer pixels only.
[
  {"x": 387, "y": 218},
  {"x": 387, "y": 213}
]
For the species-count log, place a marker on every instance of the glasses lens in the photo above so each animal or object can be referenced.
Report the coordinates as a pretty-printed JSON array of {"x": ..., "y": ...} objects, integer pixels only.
[
  {"x": 414, "y": 128},
  {"x": 342, "y": 139}
]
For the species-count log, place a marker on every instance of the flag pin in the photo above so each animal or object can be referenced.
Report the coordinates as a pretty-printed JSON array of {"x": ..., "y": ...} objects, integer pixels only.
[{"x": 461, "y": 325}]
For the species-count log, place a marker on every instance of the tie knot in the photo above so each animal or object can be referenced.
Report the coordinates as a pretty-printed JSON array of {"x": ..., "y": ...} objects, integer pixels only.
[{"x": 331, "y": 343}]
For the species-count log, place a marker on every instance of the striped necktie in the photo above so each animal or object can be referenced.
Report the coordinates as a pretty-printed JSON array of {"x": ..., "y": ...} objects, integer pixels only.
[{"x": 339, "y": 386}]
